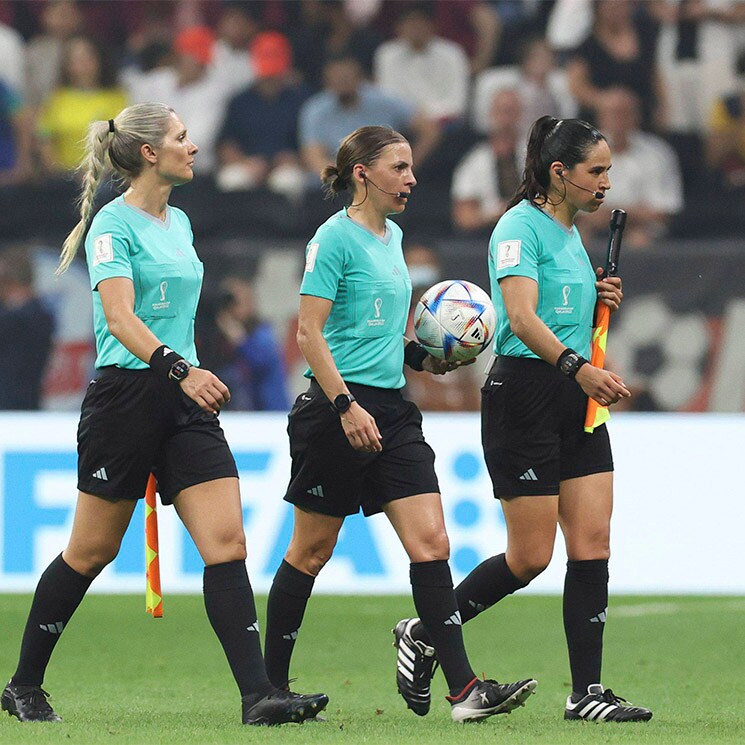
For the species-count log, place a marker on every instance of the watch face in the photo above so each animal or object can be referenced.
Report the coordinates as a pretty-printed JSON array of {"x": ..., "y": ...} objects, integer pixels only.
[
  {"x": 342, "y": 402},
  {"x": 568, "y": 363},
  {"x": 179, "y": 370}
]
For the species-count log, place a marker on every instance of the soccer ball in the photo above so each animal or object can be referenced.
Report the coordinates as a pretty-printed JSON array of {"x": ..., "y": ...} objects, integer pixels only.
[{"x": 454, "y": 320}]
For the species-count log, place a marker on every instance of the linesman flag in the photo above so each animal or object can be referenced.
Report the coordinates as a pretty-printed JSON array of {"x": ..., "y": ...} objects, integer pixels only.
[
  {"x": 153, "y": 594},
  {"x": 597, "y": 414}
]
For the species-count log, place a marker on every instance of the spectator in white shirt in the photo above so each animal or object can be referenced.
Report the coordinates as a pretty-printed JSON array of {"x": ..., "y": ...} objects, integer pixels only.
[
  {"x": 645, "y": 179},
  {"x": 489, "y": 174},
  {"x": 417, "y": 66}
]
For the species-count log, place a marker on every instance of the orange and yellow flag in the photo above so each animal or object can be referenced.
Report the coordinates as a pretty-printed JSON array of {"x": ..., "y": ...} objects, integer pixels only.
[
  {"x": 153, "y": 595},
  {"x": 597, "y": 414}
]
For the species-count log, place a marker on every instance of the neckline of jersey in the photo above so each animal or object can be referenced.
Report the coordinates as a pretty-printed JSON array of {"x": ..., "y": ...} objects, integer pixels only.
[
  {"x": 385, "y": 240},
  {"x": 558, "y": 223},
  {"x": 165, "y": 224}
]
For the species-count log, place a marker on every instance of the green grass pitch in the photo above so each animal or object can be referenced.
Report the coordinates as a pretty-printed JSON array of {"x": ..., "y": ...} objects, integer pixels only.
[{"x": 119, "y": 676}]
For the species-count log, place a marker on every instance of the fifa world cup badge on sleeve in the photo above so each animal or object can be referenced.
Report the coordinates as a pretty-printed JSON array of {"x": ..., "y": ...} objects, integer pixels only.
[
  {"x": 103, "y": 249},
  {"x": 508, "y": 254},
  {"x": 310, "y": 257}
]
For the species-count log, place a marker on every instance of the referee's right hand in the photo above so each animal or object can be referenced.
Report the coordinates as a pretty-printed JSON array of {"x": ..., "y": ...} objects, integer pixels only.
[
  {"x": 361, "y": 430},
  {"x": 206, "y": 389},
  {"x": 602, "y": 385}
]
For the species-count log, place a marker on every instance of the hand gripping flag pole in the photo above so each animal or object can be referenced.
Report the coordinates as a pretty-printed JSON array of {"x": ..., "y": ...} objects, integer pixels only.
[
  {"x": 153, "y": 595},
  {"x": 597, "y": 414}
]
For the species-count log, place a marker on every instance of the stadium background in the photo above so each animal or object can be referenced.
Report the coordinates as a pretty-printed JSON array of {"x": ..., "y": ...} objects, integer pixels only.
[{"x": 678, "y": 342}]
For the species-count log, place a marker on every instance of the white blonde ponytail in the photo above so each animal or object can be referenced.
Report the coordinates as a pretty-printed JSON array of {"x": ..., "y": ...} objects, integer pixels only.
[{"x": 117, "y": 151}]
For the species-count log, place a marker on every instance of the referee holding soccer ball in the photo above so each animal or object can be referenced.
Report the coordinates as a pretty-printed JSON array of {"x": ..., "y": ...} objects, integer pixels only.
[
  {"x": 354, "y": 440},
  {"x": 545, "y": 469},
  {"x": 151, "y": 408}
]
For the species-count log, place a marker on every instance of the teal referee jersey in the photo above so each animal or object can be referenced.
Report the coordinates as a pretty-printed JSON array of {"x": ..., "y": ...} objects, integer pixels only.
[
  {"x": 159, "y": 257},
  {"x": 366, "y": 278},
  {"x": 527, "y": 242}
]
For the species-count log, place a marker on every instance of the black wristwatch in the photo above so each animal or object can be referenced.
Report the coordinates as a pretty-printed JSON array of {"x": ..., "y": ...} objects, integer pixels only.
[
  {"x": 342, "y": 403},
  {"x": 569, "y": 362},
  {"x": 179, "y": 371}
]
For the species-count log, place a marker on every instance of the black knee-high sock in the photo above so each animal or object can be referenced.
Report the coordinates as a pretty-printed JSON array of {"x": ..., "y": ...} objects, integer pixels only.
[
  {"x": 57, "y": 596},
  {"x": 486, "y": 585},
  {"x": 434, "y": 598},
  {"x": 231, "y": 610},
  {"x": 288, "y": 598},
  {"x": 585, "y": 609}
]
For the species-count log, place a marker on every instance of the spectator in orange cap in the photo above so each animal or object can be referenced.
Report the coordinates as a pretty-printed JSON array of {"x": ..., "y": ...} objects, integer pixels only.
[{"x": 258, "y": 142}]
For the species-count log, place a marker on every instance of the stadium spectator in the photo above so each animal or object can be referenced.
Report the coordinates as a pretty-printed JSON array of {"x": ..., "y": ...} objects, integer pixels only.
[
  {"x": 544, "y": 468},
  {"x": 236, "y": 28},
  {"x": 474, "y": 25},
  {"x": 420, "y": 67},
  {"x": 256, "y": 373},
  {"x": 646, "y": 179},
  {"x": 16, "y": 138},
  {"x": 620, "y": 51},
  {"x": 60, "y": 21},
  {"x": 87, "y": 91},
  {"x": 487, "y": 177},
  {"x": 149, "y": 408},
  {"x": 697, "y": 52},
  {"x": 725, "y": 138},
  {"x": 258, "y": 142},
  {"x": 324, "y": 30},
  {"x": 347, "y": 103},
  {"x": 26, "y": 328},
  {"x": 353, "y": 308},
  {"x": 13, "y": 55},
  {"x": 188, "y": 86}
]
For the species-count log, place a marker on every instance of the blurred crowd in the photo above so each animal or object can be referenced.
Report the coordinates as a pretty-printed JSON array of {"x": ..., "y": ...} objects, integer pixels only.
[{"x": 268, "y": 88}]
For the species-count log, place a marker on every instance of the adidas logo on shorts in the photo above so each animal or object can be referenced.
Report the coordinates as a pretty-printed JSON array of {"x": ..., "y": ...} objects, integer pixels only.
[
  {"x": 529, "y": 475},
  {"x": 101, "y": 474}
]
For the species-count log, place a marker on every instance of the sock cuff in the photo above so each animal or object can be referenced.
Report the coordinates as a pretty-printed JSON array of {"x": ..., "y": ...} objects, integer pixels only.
[
  {"x": 431, "y": 574},
  {"x": 61, "y": 566},
  {"x": 293, "y": 582},
  {"x": 592, "y": 571},
  {"x": 230, "y": 575},
  {"x": 500, "y": 564}
]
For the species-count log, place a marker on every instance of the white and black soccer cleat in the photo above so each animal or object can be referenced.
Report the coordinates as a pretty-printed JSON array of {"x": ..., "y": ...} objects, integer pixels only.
[
  {"x": 415, "y": 665},
  {"x": 485, "y": 698},
  {"x": 602, "y": 705}
]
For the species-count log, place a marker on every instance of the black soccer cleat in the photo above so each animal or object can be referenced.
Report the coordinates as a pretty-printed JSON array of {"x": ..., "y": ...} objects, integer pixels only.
[
  {"x": 485, "y": 698},
  {"x": 415, "y": 665},
  {"x": 28, "y": 703},
  {"x": 282, "y": 706},
  {"x": 601, "y": 705}
]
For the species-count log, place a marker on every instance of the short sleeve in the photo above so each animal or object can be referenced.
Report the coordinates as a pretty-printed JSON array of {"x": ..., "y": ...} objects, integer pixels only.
[
  {"x": 107, "y": 252},
  {"x": 514, "y": 249},
  {"x": 324, "y": 266}
]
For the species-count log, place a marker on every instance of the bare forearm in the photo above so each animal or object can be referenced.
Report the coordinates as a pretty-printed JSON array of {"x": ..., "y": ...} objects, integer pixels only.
[
  {"x": 537, "y": 337},
  {"x": 135, "y": 336}
]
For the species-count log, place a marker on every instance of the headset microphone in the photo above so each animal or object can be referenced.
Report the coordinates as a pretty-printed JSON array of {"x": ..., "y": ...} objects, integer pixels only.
[
  {"x": 596, "y": 194},
  {"x": 399, "y": 194}
]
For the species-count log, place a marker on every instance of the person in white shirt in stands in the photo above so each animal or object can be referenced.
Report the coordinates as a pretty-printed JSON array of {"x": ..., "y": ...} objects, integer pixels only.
[
  {"x": 430, "y": 72},
  {"x": 646, "y": 175},
  {"x": 487, "y": 177}
]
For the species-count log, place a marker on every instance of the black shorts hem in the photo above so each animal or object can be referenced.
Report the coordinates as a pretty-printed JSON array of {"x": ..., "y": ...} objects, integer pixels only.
[
  {"x": 588, "y": 471},
  {"x": 313, "y": 506}
]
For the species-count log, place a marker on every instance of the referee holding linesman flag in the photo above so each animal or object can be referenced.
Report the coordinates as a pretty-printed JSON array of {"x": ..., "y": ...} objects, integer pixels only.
[
  {"x": 545, "y": 469},
  {"x": 354, "y": 440},
  {"x": 151, "y": 408}
]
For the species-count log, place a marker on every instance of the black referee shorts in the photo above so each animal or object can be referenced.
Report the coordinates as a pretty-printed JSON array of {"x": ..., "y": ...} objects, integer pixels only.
[
  {"x": 133, "y": 422},
  {"x": 331, "y": 477},
  {"x": 532, "y": 429}
]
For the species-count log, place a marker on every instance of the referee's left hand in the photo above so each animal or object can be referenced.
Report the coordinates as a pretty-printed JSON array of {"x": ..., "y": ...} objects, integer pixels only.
[
  {"x": 609, "y": 290},
  {"x": 206, "y": 389},
  {"x": 437, "y": 366}
]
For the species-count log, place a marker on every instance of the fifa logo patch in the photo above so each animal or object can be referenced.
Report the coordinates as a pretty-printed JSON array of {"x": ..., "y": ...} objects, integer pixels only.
[
  {"x": 377, "y": 321},
  {"x": 163, "y": 304}
]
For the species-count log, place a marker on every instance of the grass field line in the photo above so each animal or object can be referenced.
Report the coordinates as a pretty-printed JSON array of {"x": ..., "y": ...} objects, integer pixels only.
[{"x": 668, "y": 609}]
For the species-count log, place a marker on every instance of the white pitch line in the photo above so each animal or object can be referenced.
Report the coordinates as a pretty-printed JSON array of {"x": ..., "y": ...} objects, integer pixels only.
[{"x": 668, "y": 609}]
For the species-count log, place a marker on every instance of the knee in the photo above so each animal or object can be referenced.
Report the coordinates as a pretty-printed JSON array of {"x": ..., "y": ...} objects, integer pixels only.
[
  {"x": 591, "y": 545},
  {"x": 310, "y": 557},
  {"x": 527, "y": 566},
  {"x": 434, "y": 546},
  {"x": 90, "y": 560},
  {"x": 230, "y": 546}
]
